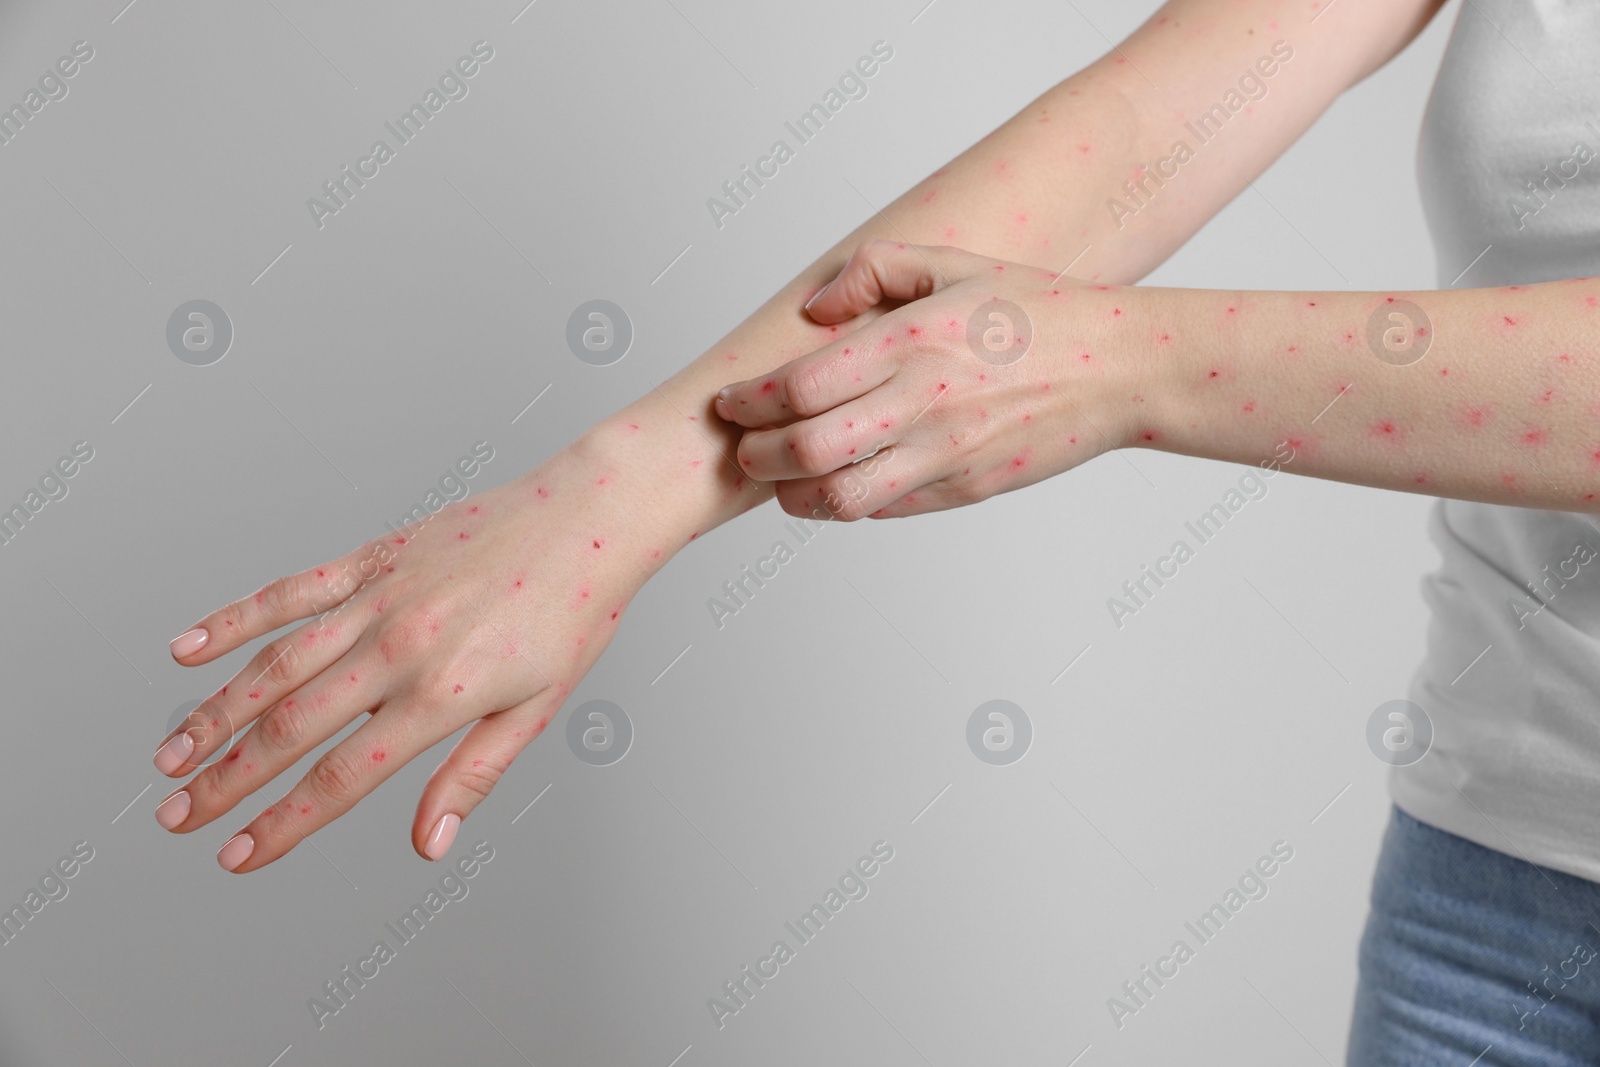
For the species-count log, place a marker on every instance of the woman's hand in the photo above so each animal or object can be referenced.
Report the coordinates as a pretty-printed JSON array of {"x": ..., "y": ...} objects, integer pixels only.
[
  {"x": 996, "y": 376},
  {"x": 487, "y": 612}
]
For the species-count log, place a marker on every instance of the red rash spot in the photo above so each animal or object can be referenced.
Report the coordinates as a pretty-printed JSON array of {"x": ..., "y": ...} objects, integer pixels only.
[
  {"x": 769, "y": 387},
  {"x": 1508, "y": 320},
  {"x": 254, "y": 694},
  {"x": 1535, "y": 438},
  {"x": 544, "y": 494},
  {"x": 912, "y": 331},
  {"x": 473, "y": 510},
  {"x": 388, "y": 570},
  {"x": 614, "y": 614},
  {"x": 602, "y": 481},
  {"x": 847, "y": 351},
  {"x": 1421, "y": 479},
  {"x": 1249, "y": 405},
  {"x": 1213, "y": 374},
  {"x": 1547, "y": 396},
  {"x": 1390, "y": 299},
  {"x": 694, "y": 535},
  {"x": 597, "y": 544},
  {"x": 379, "y": 756},
  {"x": 458, "y": 688},
  {"x": 305, "y": 809},
  {"x": 1149, "y": 435},
  {"x": 224, "y": 690},
  {"x": 233, "y": 756},
  {"x": 463, "y": 536},
  {"x": 851, "y": 452},
  {"x": 259, "y": 597},
  {"x": 850, "y": 424},
  {"x": 1118, "y": 311},
  {"x": 1311, "y": 303},
  {"x": 322, "y": 574},
  {"x": 943, "y": 387},
  {"x": 655, "y": 553},
  {"x": 1384, "y": 428},
  {"x": 885, "y": 425}
]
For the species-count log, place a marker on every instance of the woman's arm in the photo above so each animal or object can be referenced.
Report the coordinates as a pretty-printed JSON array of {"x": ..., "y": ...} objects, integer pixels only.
[
  {"x": 1483, "y": 394},
  {"x": 491, "y": 611},
  {"x": 1041, "y": 189}
]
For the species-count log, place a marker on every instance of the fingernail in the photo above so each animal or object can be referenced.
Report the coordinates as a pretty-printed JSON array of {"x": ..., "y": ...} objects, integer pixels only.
[
  {"x": 173, "y": 754},
  {"x": 817, "y": 296},
  {"x": 173, "y": 810},
  {"x": 443, "y": 836},
  {"x": 189, "y": 642},
  {"x": 236, "y": 851}
]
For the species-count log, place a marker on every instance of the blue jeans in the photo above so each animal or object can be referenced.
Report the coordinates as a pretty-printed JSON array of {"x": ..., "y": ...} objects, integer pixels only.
[{"x": 1473, "y": 956}]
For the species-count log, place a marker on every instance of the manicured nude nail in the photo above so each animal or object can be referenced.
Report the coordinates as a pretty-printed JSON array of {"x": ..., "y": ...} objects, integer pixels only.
[
  {"x": 173, "y": 810},
  {"x": 817, "y": 296},
  {"x": 443, "y": 836},
  {"x": 189, "y": 642},
  {"x": 173, "y": 754},
  {"x": 236, "y": 851}
]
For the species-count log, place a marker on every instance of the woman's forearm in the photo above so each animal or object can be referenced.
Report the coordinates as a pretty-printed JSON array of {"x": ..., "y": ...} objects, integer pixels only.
[
  {"x": 1038, "y": 189},
  {"x": 1502, "y": 406}
]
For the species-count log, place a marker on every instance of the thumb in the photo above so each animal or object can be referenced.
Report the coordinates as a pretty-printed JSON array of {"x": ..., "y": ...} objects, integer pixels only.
[
  {"x": 890, "y": 270},
  {"x": 469, "y": 774}
]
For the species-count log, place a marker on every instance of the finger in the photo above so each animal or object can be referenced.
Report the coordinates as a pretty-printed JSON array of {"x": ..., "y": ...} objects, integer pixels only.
[
  {"x": 288, "y": 731},
  {"x": 279, "y": 668},
  {"x": 278, "y": 603},
  {"x": 396, "y": 734},
  {"x": 890, "y": 270},
  {"x": 474, "y": 767},
  {"x": 818, "y": 381},
  {"x": 813, "y": 447},
  {"x": 856, "y": 491}
]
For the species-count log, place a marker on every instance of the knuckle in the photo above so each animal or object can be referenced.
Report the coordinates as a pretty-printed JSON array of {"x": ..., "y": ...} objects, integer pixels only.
[
  {"x": 283, "y": 596},
  {"x": 284, "y": 727},
  {"x": 335, "y": 779},
  {"x": 231, "y": 620},
  {"x": 277, "y": 660},
  {"x": 479, "y": 780},
  {"x": 803, "y": 388},
  {"x": 811, "y": 451}
]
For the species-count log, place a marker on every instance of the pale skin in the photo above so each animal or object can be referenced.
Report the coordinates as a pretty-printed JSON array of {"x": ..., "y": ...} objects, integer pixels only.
[{"x": 491, "y": 612}]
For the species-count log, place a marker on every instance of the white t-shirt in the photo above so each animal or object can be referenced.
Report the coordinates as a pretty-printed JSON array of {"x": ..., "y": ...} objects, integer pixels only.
[{"x": 1509, "y": 164}]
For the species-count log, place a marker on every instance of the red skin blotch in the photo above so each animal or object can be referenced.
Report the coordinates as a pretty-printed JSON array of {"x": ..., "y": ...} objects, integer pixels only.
[
  {"x": 458, "y": 688},
  {"x": 769, "y": 387},
  {"x": 462, "y": 536},
  {"x": 379, "y": 755},
  {"x": 254, "y": 694}
]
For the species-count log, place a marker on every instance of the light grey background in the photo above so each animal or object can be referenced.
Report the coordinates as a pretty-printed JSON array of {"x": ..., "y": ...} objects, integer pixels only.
[{"x": 824, "y": 717}]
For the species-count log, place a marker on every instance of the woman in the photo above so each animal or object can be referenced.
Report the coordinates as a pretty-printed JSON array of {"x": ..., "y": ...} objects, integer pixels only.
[{"x": 979, "y": 335}]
